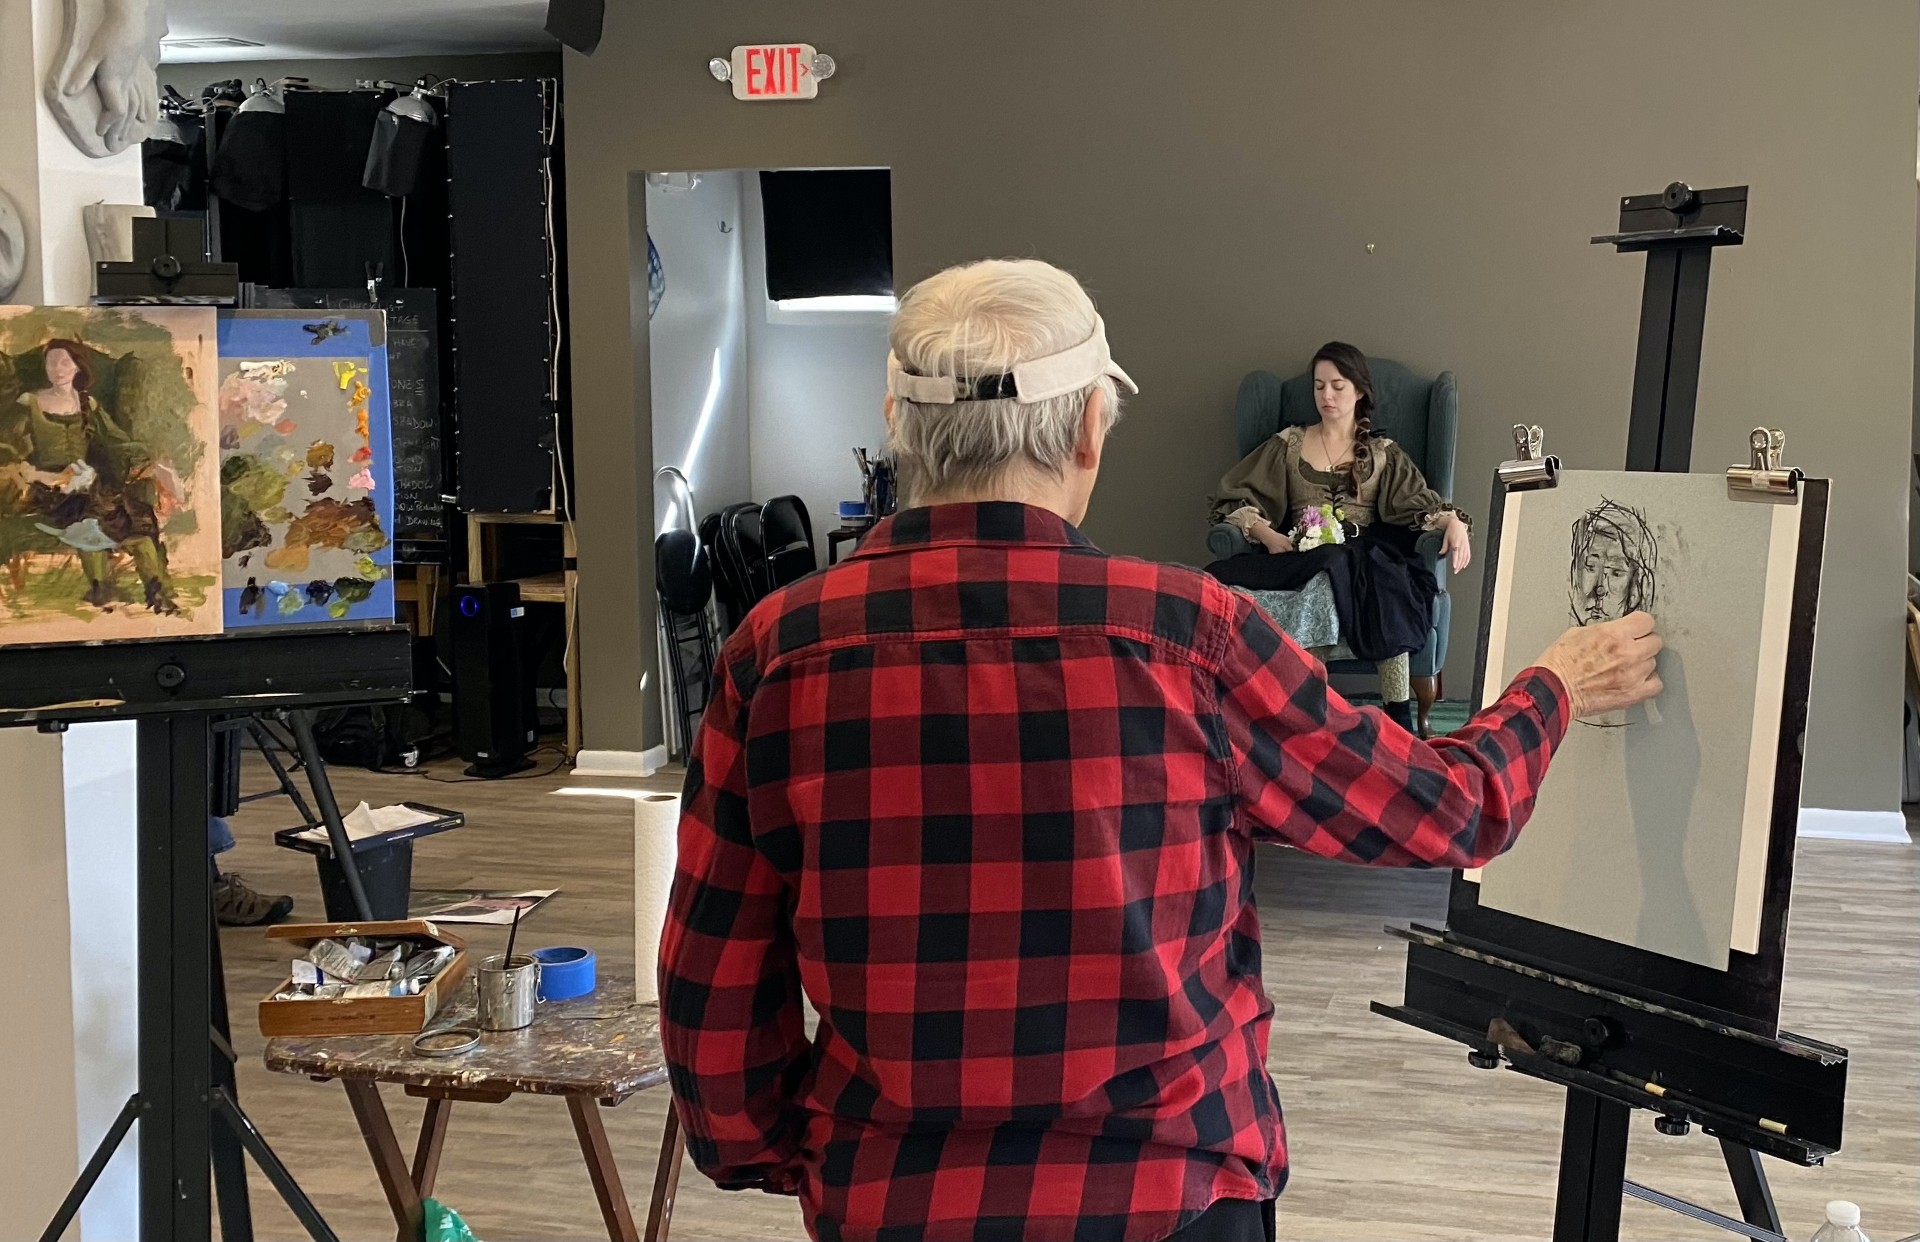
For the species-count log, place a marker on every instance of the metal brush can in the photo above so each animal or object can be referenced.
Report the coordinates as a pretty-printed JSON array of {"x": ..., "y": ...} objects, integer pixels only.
[{"x": 508, "y": 991}]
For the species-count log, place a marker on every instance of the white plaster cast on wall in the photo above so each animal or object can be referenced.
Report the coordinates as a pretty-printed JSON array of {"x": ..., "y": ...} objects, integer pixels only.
[
  {"x": 13, "y": 246},
  {"x": 103, "y": 88}
]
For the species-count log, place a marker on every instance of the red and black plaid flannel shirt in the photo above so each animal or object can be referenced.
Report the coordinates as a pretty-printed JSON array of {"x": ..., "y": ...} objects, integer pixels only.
[{"x": 989, "y": 797}]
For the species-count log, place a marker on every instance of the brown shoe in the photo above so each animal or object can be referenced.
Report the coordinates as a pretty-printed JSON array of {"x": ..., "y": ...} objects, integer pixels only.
[{"x": 236, "y": 905}]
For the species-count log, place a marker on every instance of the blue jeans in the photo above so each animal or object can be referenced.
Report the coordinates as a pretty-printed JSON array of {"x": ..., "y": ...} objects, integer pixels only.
[{"x": 219, "y": 836}]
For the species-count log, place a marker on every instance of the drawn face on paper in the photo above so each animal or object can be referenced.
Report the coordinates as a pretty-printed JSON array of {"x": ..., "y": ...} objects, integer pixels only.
[{"x": 1614, "y": 567}]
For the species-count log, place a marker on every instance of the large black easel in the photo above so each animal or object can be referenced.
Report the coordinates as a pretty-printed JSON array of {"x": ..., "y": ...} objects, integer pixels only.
[
  {"x": 175, "y": 690},
  {"x": 1618, "y": 1027}
]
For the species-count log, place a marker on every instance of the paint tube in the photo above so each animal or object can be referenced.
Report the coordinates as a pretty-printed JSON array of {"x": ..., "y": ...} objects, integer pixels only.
[
  {"x": 380, "y": 988},
  {"x": 323, "y": 991},
  {"x": 424, "y": 966},
  {"x": 336, "y": 959},
  {"x": 387, "y": 965}
]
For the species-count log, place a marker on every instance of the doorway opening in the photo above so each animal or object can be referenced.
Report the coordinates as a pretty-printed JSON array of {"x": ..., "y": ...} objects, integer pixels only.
[{"x": 768, "y": 297}]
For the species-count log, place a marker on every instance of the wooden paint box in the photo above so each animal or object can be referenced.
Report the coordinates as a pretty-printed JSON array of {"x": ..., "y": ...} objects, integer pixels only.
[{"x": 373, "y": 1015}]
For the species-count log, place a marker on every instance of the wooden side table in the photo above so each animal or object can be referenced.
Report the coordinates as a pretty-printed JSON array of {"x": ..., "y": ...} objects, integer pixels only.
[
  {"x": 843, "y": 534},
  {"x": 594, "y": 1051}
]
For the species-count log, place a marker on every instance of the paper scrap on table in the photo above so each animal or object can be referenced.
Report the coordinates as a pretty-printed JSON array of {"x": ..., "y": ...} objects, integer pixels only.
[
  {"x": 364, "y": 821},
  {"x": 494, "y": 909}
]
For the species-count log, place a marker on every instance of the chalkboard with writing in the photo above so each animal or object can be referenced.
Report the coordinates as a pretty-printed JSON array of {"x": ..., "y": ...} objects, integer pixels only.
[{"x": 413, "y": 368}]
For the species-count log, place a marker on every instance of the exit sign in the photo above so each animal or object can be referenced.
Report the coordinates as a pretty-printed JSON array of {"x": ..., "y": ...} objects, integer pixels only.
[{"x": 774, "y": 71}]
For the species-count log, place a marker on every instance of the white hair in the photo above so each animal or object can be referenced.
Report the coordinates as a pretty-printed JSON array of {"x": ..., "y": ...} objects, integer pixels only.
[{"x": 981, "y": 319}]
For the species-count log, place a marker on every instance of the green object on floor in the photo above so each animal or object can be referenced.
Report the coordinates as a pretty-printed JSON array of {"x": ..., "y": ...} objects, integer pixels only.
[
  {"x": 440, "y": 1223},
  {"x": 1448, "y": 714}
]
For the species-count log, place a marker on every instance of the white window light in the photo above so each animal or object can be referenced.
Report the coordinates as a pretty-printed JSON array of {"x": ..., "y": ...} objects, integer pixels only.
[{"x": 884, "y": 303}]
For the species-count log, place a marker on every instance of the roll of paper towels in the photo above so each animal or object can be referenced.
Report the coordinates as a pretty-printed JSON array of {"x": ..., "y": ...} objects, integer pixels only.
[{"x": 656, "y": 837}]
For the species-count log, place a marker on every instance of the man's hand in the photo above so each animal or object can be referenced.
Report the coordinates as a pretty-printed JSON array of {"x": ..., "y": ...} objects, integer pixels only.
[{"x": 1608, "y": 666}]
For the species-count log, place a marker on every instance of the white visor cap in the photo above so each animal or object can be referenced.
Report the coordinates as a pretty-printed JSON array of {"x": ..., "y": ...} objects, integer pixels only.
[{"x": 1037, "y": 379}]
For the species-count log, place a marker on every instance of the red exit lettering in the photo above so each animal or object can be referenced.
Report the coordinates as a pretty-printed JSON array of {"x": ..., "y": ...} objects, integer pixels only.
[{"x": 774, "y": 72}]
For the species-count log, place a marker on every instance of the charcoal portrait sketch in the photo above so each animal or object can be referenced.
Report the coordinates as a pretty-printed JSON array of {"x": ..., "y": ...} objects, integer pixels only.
[
  {"x": 1613, "y": 570},
  {"x": 1615, "y": 565},
  {"x": 1641, "y": 827}
]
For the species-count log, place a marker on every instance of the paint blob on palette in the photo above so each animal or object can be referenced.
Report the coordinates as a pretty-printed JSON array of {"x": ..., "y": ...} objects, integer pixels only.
[
  {"x": 305, "y": 480},
  {"x": 109, "y": 483}
]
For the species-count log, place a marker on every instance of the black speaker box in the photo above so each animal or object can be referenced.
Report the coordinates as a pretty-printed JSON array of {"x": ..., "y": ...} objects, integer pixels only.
[
  {"x": 508, "y": 301},
  {"x": 577, "y": 23},
  {"x": 493, "y": 704}
]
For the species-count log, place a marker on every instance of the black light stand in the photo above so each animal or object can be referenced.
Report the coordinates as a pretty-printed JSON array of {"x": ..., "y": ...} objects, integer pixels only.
[
  {"x": 1610, "y": 1018},
  {"x": 258, "y": 730}
]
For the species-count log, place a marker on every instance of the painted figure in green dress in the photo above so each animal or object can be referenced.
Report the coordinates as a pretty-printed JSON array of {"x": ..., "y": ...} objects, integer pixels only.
[{"x": 86, "y": 480}]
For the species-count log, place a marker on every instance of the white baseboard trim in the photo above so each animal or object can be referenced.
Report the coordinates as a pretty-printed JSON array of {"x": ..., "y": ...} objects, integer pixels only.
[
  {"x": 1823, "y": 824},
  {"x": 631, "y": 763}
]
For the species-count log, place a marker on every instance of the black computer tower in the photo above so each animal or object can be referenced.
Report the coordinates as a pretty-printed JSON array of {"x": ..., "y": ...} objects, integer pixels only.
[{"x": 493, "y": 701}]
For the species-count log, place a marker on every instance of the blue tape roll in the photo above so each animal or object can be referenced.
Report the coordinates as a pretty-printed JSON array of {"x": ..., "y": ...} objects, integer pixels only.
[{"x": 565, "y": 972}]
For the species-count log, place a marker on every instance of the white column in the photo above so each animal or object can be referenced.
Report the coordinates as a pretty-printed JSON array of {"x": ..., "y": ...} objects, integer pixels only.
[
  {"x": 67, "y": 813},
  {"x": 39, "y": 1144}
]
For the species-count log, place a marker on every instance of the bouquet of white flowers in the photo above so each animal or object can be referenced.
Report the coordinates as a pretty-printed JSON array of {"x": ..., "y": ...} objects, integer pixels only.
[{"x": 1319, "y": 526}]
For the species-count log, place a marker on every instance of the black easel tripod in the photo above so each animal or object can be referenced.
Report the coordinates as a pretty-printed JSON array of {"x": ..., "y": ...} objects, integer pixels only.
[{"x": 1619, "y": 1027}]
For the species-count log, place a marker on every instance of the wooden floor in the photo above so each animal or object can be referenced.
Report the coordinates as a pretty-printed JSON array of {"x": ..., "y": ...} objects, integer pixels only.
[{"x": 1393, "y": 1135}]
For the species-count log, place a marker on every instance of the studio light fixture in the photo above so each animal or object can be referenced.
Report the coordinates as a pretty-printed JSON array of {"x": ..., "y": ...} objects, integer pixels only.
[{"x": 400, "y": 134}]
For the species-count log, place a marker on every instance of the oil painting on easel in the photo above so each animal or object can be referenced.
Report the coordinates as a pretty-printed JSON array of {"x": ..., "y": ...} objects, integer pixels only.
[
  {"x": 109, "y": 474},
  {"x": 1652, "y": 826},
  {"x": 306, "y": 469}
]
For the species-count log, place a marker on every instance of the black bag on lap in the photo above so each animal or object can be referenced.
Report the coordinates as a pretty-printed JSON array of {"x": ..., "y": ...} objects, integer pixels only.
[{"x": 1382, "y": 590}]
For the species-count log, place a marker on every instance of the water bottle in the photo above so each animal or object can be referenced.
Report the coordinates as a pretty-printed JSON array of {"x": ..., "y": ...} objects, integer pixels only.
[{"x": 1843, "y": 1223}]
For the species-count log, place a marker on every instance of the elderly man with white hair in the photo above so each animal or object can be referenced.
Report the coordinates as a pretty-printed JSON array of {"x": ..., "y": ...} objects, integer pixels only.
[{"x": 987, "y": 797}]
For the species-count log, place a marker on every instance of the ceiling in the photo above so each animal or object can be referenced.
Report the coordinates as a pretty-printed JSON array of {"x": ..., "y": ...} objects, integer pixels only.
[{"x": 329, "y": 29}]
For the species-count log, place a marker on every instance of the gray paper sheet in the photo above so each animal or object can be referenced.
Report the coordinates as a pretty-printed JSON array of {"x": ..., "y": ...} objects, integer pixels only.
[{"x": 1650, "y": 829}]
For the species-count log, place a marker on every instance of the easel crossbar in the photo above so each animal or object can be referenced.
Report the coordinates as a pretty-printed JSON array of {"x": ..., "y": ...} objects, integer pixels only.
[{"x": 1705, "y": 1215}]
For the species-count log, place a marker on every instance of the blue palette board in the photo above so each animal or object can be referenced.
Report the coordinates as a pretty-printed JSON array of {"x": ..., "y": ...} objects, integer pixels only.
[{"x": 306, "y": 468}]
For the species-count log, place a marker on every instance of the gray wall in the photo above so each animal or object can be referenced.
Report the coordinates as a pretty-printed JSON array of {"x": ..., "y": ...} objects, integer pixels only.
[
  {"x": 1216, "y": 180},
  {"x": 188, "y": 79}
]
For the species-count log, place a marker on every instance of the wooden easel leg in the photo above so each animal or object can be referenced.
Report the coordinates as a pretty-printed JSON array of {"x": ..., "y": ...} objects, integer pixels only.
[
  {"x": 666, "y": 1178},
  {"x": 1426, "y": 691},
  {"x": 426, "y": 1153},
  {"x": 598, "y": 1154},
  {"x": 389, "y": 1163}
]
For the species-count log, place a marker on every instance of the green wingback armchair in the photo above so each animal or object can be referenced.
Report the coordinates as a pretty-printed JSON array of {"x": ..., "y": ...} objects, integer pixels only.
[{"x": 1423, "y": 417}]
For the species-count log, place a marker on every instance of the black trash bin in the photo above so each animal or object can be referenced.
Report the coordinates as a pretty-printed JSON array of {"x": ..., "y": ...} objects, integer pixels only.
[{"x": 385, "y": 862}]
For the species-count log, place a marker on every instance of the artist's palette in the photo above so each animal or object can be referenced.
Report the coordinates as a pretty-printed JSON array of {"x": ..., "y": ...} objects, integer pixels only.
[{"x": 306, "y": 469}]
